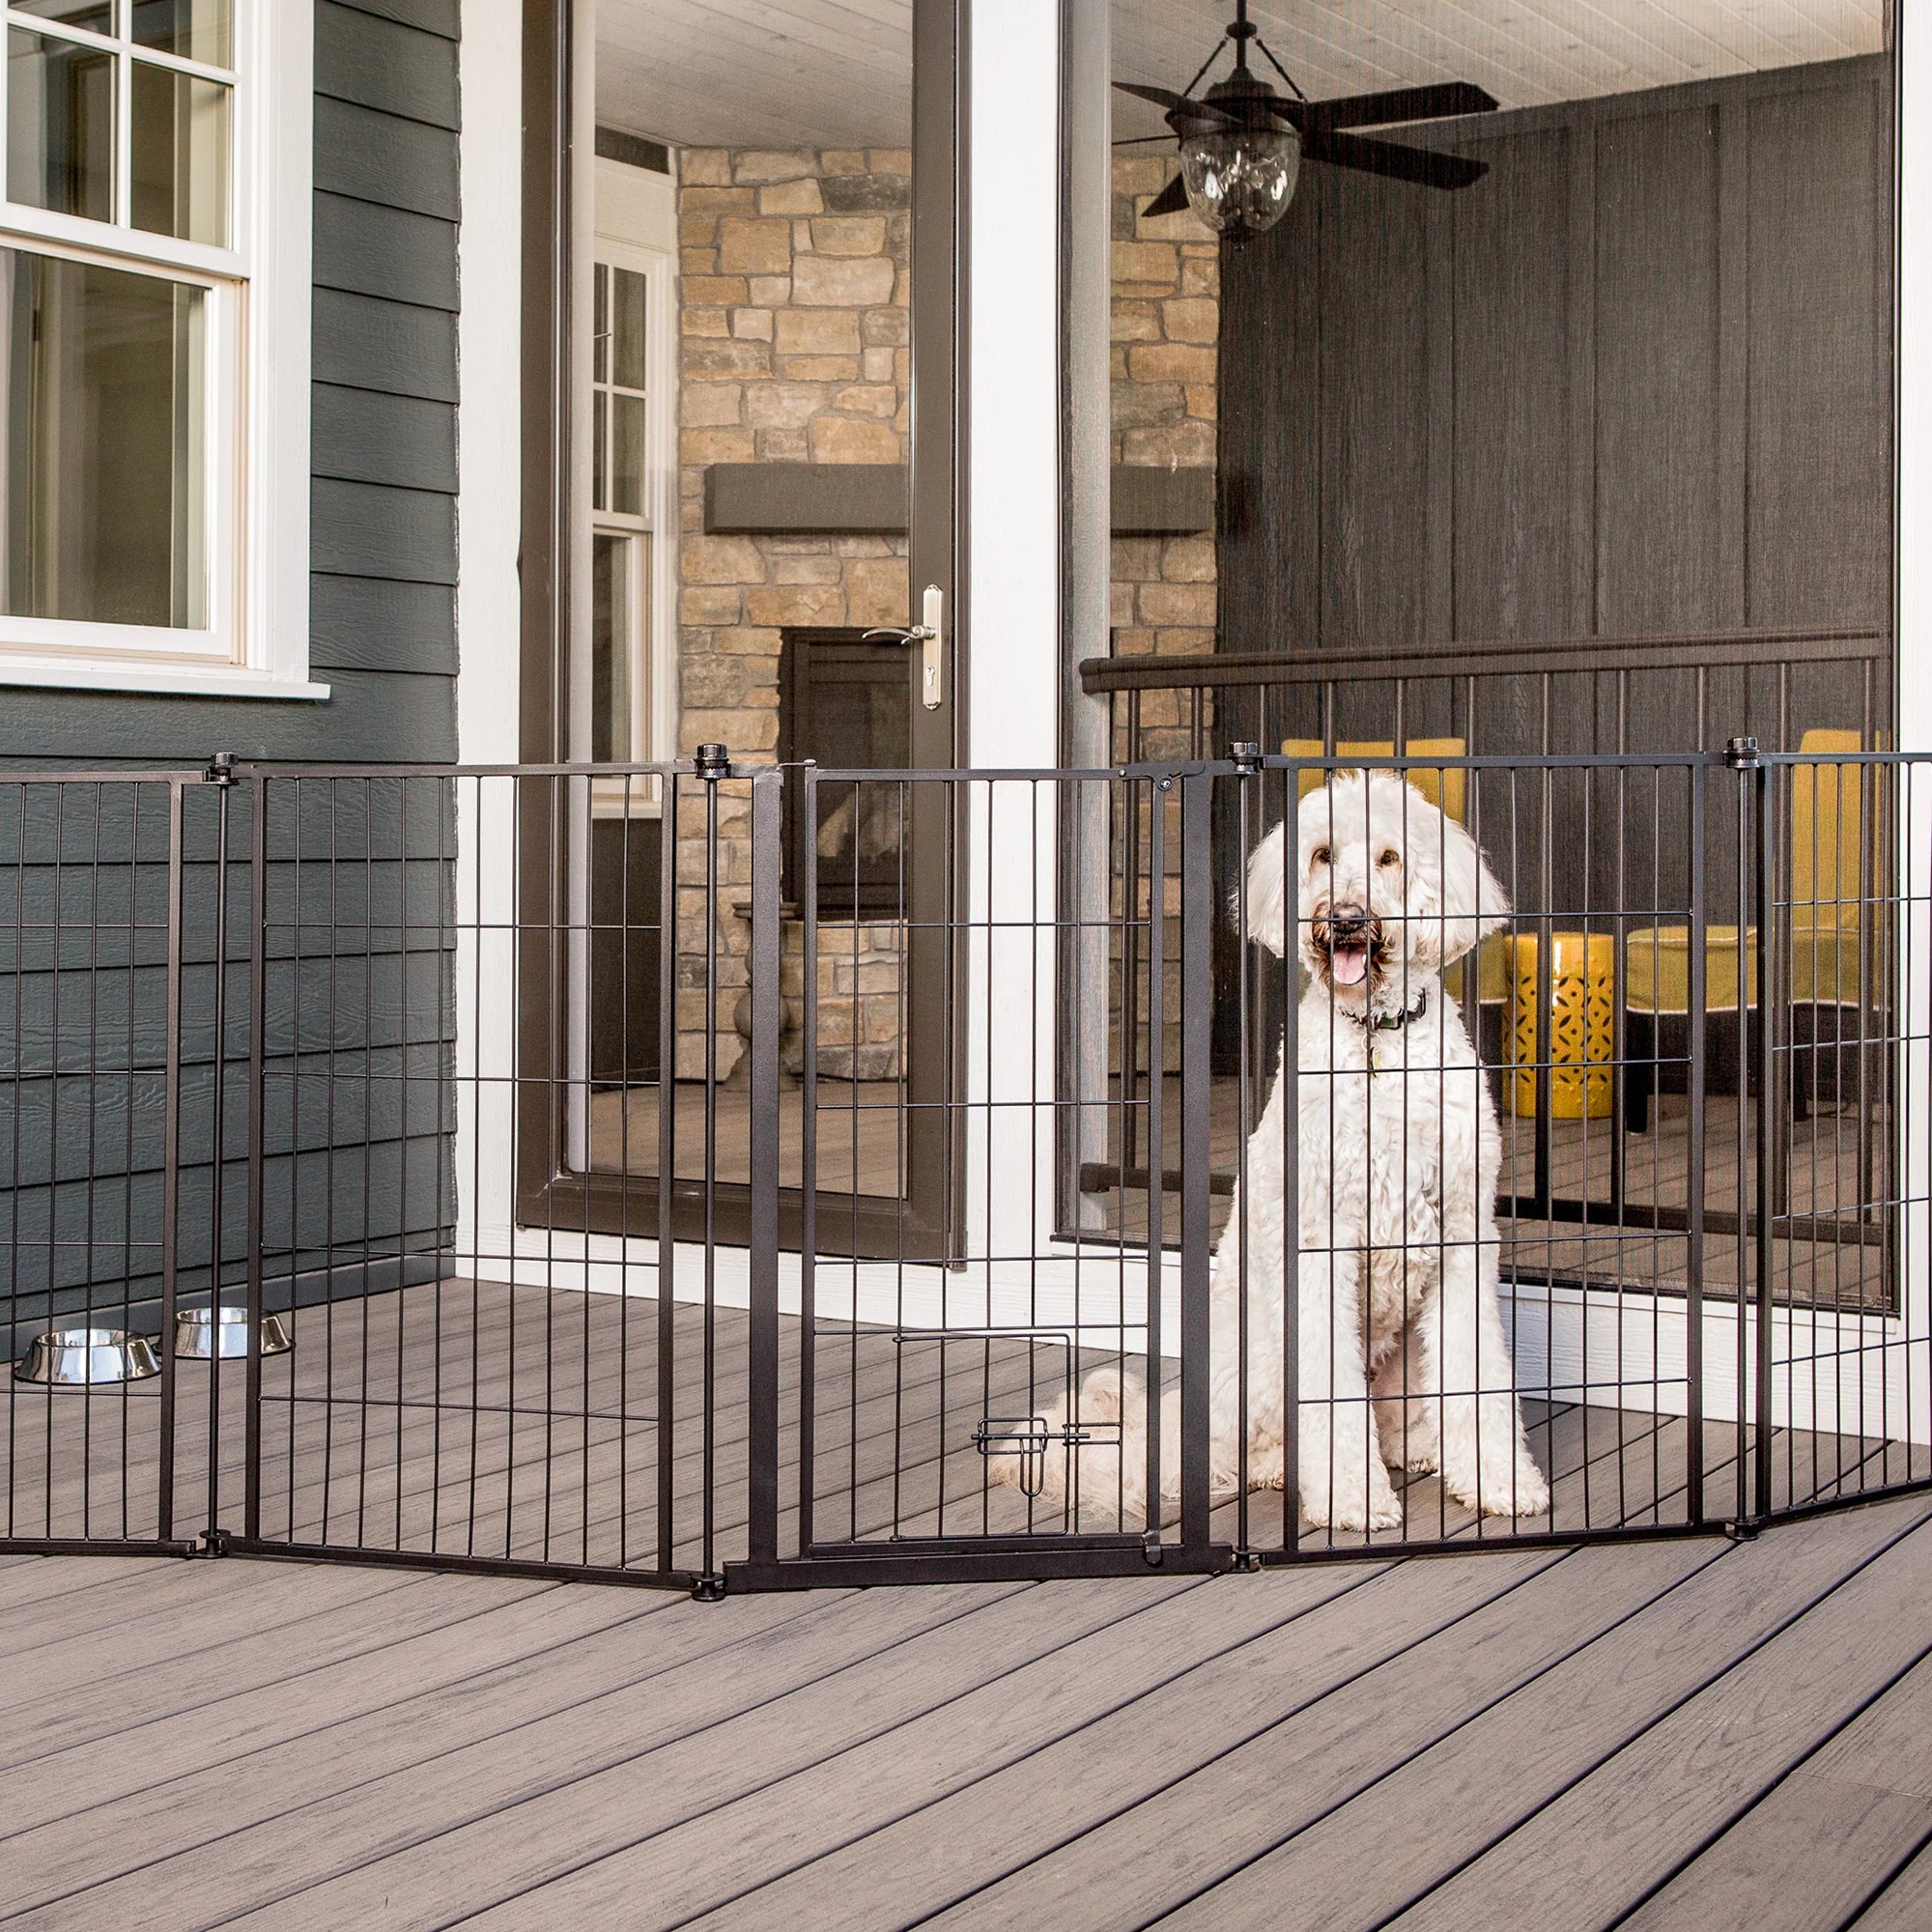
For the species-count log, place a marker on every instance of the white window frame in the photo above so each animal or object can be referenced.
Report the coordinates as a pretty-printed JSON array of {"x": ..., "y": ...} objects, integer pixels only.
[
  {"x": 636, "y": 228},
  {"x": 258, "y": 331}
]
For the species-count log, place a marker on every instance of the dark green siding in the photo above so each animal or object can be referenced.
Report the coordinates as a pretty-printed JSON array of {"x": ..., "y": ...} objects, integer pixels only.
[{"x": 359, "y": 1014}]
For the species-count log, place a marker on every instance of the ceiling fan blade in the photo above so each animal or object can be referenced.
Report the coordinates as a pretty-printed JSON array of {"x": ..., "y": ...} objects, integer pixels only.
[
  {"x": 1401, "y": 104},
  {"x": 1172, "y": 102},
  {"x": 1383, "y": 157},
  {"x": 1171, "y": 200},
  {"x": 1144, "y": 140}
]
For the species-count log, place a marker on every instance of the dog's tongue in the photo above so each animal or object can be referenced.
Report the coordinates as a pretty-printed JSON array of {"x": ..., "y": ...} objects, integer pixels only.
[{"x": 1349, "y": 967}]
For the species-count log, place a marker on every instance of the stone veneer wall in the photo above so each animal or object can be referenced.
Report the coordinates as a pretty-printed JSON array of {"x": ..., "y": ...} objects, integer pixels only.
[
  {"x": 793, "y": 325},
  {"x": 1166, "y": 322}
]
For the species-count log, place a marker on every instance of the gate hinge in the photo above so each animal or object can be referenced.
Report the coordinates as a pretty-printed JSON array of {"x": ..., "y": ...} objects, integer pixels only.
[
  {"x": 1741, "y": 753},
  {"x": 713, "y": 762},
  {"x": 220, "y": 769},
  {"x": 216, "y": 1543},
  {"x": 1246, "y": 1561},
  {"x": 1152, "y": 1550},
  {"x": 1245, "y": 757},
  {"x": 1740, "y": 1531},
  {"x": 709, "y": 1588}
]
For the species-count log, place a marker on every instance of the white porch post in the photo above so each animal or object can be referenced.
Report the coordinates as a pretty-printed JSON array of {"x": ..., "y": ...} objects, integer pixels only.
[
  {"x": 488, "y": 609},
  {"x": 1013, "y": 444}
]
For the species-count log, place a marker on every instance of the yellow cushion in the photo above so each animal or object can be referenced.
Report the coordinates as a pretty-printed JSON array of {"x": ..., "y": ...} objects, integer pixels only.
[
  {"x": 1657, "y": 969},
  {"x": 1443, "y": 789}
]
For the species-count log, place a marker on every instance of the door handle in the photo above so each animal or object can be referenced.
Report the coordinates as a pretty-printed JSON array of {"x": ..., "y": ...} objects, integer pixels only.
[{"x": 929, "y": 635}]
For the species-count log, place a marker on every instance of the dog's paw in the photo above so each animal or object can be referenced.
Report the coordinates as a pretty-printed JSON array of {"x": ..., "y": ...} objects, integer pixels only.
[
  {"x": 1423, "y": 1461},
  {"x": 1353, "y": 1511},
  {"x": 1520, "y": 1491}
]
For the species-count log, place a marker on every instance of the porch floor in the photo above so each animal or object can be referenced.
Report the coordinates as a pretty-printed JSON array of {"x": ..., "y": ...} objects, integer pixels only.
[
  {"x": 472, "y": 1418},
  {"x": 1695, "y": 1733}
]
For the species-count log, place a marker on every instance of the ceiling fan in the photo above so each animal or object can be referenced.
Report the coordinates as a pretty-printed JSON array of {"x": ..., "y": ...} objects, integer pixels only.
[{"x": 1243, "y": 143}]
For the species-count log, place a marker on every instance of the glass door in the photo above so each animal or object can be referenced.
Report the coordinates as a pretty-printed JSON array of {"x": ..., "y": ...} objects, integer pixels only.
[{"x": 754, "y": 532}]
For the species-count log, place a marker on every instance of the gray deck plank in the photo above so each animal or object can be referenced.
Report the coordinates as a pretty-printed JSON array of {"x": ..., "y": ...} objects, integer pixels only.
[
  {"x": 558, "y": 1801},
  {"x": 1905, "y": 1904},
  {"x": 1624, "y": 1828},
  {"x": 443, "y": 1792},
  {"x": 309, "y": 1759},
  {"x": 1103, "y": 1838},
  {"x": 494, "y": 1617},
  {"x": 1184, "y": 1693},
  {"x": 1506, "y": 1764}
]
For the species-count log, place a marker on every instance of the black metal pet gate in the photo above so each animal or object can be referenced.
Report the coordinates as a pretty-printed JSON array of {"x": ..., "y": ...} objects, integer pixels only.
[{"x": 719, "y": 1176}]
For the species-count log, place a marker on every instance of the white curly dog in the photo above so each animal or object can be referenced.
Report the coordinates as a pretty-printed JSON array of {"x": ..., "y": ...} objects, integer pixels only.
[{"x": 1399, "y": 1155}]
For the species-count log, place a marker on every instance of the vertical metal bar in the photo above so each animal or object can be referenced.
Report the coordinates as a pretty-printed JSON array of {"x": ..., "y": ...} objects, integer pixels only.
[
  {"x": 1287, "y": 1076},
  {"x": 1157, "y": 1161},
  {"x": 1694, "y": 1267},
  {"x": 807, "y": 1173},
  {"x": 763, "y": 1391},
  {"x": 258, "y": 891},
  {"x": 714, "y": 773},
  {"x": 1197, "y": 942},
  {"x": 218, "y": 1128},
  {"x": 666, "y": 1337},
  {"x": 1759, "y": 792},
  {"x": 170, "y": 1152}
]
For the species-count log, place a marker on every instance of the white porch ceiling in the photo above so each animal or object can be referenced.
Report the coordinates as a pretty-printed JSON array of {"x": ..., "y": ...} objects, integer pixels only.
[{"x": 779, "y": 73}]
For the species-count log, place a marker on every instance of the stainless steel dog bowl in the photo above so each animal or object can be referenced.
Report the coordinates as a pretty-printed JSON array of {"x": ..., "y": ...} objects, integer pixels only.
[
  {"x": 197, "y": 1339},
  {"x": 87, "y": 1358}
]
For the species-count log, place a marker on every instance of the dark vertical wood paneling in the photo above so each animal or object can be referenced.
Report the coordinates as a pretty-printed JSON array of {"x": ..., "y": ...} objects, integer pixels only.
[
  {"x": 1514, "y": 531},
  {"x": 1375, "y": 425},
  {"x": 1665, "y": 322},
  {"x": 1820, "y": 409},
  {"x": 1658, "y": 526}
]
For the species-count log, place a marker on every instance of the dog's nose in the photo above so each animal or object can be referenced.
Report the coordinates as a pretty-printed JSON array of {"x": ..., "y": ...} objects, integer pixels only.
[{"x": 1346, "y": 923}]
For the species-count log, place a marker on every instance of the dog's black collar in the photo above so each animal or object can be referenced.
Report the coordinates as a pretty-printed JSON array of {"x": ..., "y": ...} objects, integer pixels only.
[{"x": 1393, "y": 1022}]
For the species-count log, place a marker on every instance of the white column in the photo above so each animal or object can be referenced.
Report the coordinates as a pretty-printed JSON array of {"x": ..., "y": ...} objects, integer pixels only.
[
  {"x": 1013, "y": 671},
  {"x": 488, "y": 608}
]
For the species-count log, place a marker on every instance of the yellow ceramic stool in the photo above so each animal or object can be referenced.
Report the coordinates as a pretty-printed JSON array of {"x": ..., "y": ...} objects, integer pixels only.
[{"x": 1582, "y": 1024}]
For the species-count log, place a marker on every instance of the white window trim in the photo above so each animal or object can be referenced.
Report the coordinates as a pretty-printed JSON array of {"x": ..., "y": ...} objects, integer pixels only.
[
  {"x": 636, "y": 227},
  {"x": 259, "y": 498}
]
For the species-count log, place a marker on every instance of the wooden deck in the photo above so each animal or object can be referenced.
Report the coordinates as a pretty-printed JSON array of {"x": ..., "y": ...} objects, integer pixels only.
[
  {"x": 1683, "y": 1734},
  {"x": 471, "y": 1418}
]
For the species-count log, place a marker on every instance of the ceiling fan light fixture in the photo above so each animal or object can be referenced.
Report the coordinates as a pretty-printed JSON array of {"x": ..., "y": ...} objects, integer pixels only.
[{"x": 1240, "y": 179}]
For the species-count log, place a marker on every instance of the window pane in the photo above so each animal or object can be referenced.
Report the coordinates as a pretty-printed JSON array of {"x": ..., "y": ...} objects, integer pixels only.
[
  {"x": 600, "y": 329},
  {"x": 600, "y": 438},
  {"x": 626, "y": 330},
  {"x": 60, "y": 127},
  {"x": 104, "y": 481},
  {"x": 180, "y": 157},
  {"x": 627, "y": 455},
  {"x": 610, "y": 627},
  {"x": 97, "y": 15},
  {"x": 194, "y": 29}
]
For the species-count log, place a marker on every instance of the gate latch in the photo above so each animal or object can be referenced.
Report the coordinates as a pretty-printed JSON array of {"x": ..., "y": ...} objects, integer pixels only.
[{"x": 1029, "y": 1437}]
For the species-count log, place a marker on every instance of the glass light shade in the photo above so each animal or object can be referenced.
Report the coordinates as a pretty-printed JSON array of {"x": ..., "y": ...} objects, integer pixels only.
[{"x": 1242, "y": 179}]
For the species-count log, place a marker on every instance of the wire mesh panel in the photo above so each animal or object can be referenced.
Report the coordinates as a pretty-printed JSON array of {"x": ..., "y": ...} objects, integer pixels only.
[
  {"x": 622, "y": 1171},
  {"x": 510, "y": 1334},
  {"x": 1840, "y": 1341},
  {"x": 954, "y": 1400},
  {"x": 92, "y": 877}
]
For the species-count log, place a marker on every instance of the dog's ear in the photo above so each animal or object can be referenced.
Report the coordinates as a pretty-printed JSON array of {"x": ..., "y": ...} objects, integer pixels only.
[
  {"x": 1469, "y": 903},
  {"x": 1269, "y": 889}
]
